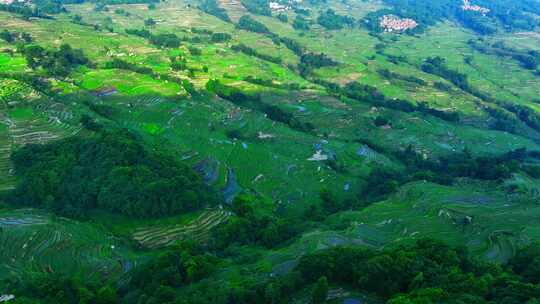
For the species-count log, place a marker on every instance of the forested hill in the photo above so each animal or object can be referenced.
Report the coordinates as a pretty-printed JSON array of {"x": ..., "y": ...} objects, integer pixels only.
[
  {"x": 257, "y": 151},
  {"x": 484, "y": 17},
  {"x": 110, "y": 171}
]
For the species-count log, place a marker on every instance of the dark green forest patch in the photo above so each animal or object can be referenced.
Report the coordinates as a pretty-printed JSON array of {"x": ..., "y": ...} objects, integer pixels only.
[{"x": 112, "y": 171}]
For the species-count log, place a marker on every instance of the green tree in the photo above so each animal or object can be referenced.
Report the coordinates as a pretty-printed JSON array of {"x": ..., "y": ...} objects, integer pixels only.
[
  {"x": 330, "y": 202},
  {"x": 106, "y": 295},
  {"x": 320, "y": 291},
  {"x": 149, "y": 22},
  {"x": 7, "y": 36}
]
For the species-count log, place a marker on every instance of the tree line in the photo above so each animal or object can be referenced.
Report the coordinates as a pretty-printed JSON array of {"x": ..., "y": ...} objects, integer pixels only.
[
  {"x": 254, "y": 53},
  {"x": 25, "y": 11},
  {"x": 165, "y": 40},
  {"x": 444, "y": 170},
  {"x": 254, "y": 102},
  {"x": 15, "y": 37},
  {"x": 212, "y": 7},
  {"x": 528, "y": 59},
  {"x": 372, "y": 95},
  {"x": 249, "y": 24},
  {"x": 425, "y": 271},
  {"x": 54, "y": 62},
  {"x": 437, "y": 66}
]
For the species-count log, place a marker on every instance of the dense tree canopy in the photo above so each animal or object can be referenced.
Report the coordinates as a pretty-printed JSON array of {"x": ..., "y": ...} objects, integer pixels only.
[
  {"x": 175, "y": 267},
  {"x": 249, "y": 227},
  {"x": 332, "y": 21},
  {"x": 112, "y": 171},
  {"x": 220, "y": 37},
  {"x": 25, "y": 11},
  {"x": 258, "y": 7},
  {"x": 14, "y": 37},
  {"x": 425, "y": 272},
  {"x": 300, "y": 23},
  {"x": 55, "y": 62}
]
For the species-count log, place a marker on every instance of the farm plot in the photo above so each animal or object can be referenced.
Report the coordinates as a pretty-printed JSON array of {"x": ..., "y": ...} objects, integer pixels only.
[
  {"x": 492, "y": 224},
  {"x": 234, "y": 9},
  {"x": 33, "y": 241},
  {"x": 31, "y": 124},
  {"x": 198, "y": 230},
  {"x": 33, "y": 131},
  {"x": 149, "y": 101},
  {"x": 13, "y": 92},
  {"x": 12, "y": 63},
  {"x": 6, "y": 177},
  {"x": 126, "y": 83},
  {"x": 502, "y": 77},
  {"x": 40, "y": 122}
]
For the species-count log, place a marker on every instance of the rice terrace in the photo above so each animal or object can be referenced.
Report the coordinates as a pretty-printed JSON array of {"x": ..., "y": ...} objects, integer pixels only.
[{"x": 270, "y": 151}]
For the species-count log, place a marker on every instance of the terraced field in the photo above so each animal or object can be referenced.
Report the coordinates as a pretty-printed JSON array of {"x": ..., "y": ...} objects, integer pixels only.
[
  {"x": 488, "y": 221},
  {"x": 295, "y": 132},
  {"x": 197, "y": 230},
  {"x": 39, "y": 124},
  {"x": 6, "y": 177},
  {"x": 32, "y": 242}
]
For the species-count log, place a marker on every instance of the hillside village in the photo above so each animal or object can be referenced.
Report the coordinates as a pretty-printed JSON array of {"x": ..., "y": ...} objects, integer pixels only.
[
  {"x": 467, "y": 6},
  {"x": 391, "y": 23},
  {"x": 283, "y": 6}
]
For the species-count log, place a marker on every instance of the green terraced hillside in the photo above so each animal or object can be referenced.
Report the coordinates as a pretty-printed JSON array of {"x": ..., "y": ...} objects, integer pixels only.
[{"x": 256, "y": 151}]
